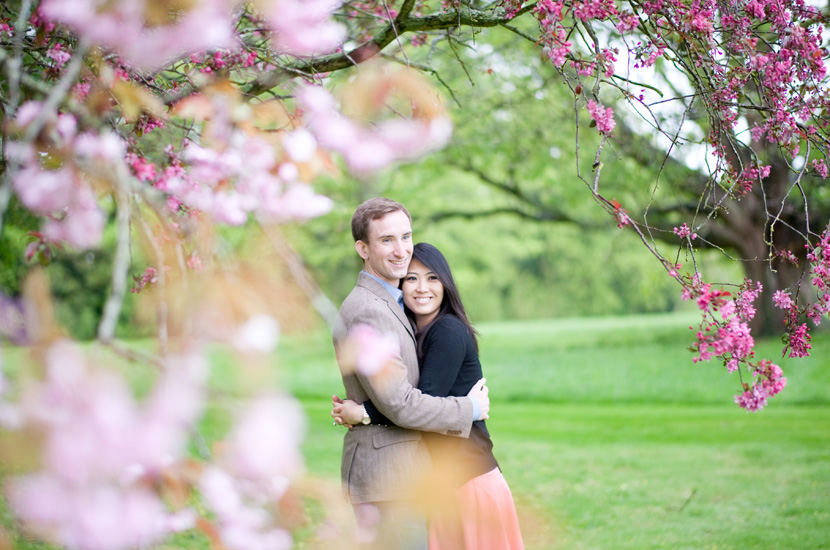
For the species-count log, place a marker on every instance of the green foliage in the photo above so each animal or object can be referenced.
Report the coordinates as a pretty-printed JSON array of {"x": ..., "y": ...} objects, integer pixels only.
[
  {"x": 17, "y": 224},
  {"x": 80, "y": 280},
  {"x": 551, "y": 252}
]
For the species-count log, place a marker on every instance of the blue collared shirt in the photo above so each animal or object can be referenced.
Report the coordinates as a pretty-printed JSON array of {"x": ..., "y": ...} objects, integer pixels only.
[{"x": 396, "y": 293}]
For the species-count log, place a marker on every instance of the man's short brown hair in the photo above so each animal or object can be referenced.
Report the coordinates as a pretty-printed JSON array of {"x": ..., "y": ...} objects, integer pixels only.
[{"x": 373, "y": 209}]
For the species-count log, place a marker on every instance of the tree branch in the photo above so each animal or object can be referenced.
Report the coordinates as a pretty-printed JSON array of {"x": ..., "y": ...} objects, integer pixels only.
[{"x": 402, "y": 24}]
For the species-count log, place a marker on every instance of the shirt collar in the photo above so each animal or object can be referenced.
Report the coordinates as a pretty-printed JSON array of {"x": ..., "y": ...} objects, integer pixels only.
[{"x": 396, "y": 293}]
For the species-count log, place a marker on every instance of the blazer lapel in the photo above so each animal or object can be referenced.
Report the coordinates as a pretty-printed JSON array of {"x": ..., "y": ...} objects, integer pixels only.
[{"x": 375, "y": 287}]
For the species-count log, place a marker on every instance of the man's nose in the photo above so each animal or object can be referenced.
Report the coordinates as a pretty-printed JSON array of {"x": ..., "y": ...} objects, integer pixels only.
[{"x": 400, "y": 249}]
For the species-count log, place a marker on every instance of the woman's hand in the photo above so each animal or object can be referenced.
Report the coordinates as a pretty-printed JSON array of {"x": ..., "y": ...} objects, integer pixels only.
[{"x": 346, "y": 412}]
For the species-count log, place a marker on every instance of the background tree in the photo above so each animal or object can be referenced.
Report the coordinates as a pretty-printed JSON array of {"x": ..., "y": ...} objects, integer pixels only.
[{"x": 159, "y": 123}]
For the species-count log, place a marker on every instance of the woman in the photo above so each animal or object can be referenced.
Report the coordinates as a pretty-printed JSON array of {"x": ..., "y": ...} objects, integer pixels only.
[{"x": 483, "y": 515}]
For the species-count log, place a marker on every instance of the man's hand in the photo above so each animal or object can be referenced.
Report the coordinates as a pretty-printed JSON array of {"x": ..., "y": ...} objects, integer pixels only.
[{"x": 481, "y": 393}]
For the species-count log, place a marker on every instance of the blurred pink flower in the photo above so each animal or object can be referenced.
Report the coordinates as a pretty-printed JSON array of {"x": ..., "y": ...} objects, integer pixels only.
[
  {"x": 241, "y": 525},
  {"x": 45, "y": 191},
  {"x": 260, "y": 333},
  {"x": 374, "y": 349},
  {"x": 368, "y": 148},
  {"x": 107, "y": 146},
  {"x": 91, "y": 517},
  {"x": 248, "y": 164},
  {"x": 83, "y": 223},
  {"x": 303, "y": 27},
  {"x": 120, "y": 25},
  {"x": 265, "y": 441},
  {"x": 300, "y": 145}
]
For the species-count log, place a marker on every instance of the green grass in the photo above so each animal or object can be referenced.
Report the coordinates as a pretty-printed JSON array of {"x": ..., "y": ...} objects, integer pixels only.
[{"x": 610, "y": 437}]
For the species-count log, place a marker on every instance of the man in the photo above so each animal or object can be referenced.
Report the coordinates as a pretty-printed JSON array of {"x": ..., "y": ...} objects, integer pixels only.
[{"x": 381, "y": 465}]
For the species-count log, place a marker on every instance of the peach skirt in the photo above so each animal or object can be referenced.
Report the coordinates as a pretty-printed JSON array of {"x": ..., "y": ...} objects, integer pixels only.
[{"x": 484, "y": 518}]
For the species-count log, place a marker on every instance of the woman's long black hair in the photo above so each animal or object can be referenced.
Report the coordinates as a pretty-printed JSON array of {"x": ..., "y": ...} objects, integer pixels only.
[{"x": 432, "y": 258}]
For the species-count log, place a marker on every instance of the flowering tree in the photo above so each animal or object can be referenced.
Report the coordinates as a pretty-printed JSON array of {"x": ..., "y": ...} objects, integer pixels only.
[{"x": 161, "y": 120}]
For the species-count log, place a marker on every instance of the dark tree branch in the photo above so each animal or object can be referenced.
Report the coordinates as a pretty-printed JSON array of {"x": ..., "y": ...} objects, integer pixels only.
[{"x": 403, "y": 23}]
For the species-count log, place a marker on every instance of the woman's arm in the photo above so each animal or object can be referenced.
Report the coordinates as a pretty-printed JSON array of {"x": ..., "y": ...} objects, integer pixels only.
[{"x": 444, "y": 352}]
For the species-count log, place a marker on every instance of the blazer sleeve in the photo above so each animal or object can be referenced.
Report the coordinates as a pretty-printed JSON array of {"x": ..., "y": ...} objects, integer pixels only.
[
  {"x": 446, "y": 348},
  {"x": 403, "y": 404}
]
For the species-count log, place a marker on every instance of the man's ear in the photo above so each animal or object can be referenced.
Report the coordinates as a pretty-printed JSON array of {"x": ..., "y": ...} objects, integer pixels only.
[{"x": 362, "y": 249}]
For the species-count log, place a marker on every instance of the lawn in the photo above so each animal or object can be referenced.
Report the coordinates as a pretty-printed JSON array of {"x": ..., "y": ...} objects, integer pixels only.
[
  {"x": 612, "y": 439},
  {"x": 608, "y": 434}
]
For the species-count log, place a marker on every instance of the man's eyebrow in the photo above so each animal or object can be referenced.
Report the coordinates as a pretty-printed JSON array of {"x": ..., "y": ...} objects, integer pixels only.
[{"x": 393, "y": 236}]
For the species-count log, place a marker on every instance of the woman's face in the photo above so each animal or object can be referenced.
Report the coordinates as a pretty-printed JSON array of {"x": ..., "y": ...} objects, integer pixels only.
[{"x": 422, "y": 293}]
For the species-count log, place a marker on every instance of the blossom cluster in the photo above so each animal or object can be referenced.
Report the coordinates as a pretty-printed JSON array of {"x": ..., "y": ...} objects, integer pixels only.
[
  {"x": 245, "y": 177},
  {"x": 102, "y": 452},
  {"x": 145, "y": 39},
  {"x": 684, "y": 232},
  {"x": 110, "y": 464},
  {"x": 57, "y": 184},
  {"x": 602, "y": 116},
  {"x": 790, "y": 74},
  {"x": 798, "y": 332},
  {"x": 770, "y": 382},
  {"x": 368, "y": 148},
  {"x": 724, "y": 333}
]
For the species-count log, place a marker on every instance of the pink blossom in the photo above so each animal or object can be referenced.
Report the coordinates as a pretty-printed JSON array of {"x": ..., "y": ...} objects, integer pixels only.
[
  {"x": 149, "y": 277},
  {"x": 82, "y": 225},
  {"x": 265, "y": 440},
  {"x": 107, "y": 146},
  {"x": 249, "y": 60},
  {"x": 80, "y": 91},
  {"x": 45, "y": 191},
  {"x": 260, "y": 333},
  {"x": 782, "y": 299},
  {"x": 820, "y": 167},
  {"x": 303, "y": 27},
  {"x": 799, "y": 342},
  {"x": 628, "y": 22},
  {"x": 300, "y": 145},
  {"x": 86, "y": 494},
  {"x": 365, "y": 148},
  {"x": 59, "y": 55},
  {"x": 142, "y": 168},
  {"x": 684, "y": 232},
  {"x": 604, "y": 117},
  {"x": 27, "y": 113},
  {"x": 120, "y": 25},
  {"x": 95, "y": 517},
  {"x": 194, "y": 262},
  {"x": 298, "y": 202},
  {"x": 374, "y": 349},
  {"x": 753, "y": 399}
]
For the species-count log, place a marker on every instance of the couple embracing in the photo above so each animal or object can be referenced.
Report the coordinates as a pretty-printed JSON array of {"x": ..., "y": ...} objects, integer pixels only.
[{"x": 417, "y": 463}]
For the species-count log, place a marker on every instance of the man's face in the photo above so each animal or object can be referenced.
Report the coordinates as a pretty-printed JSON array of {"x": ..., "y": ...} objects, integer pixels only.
[{"x": 389, "y": 249}]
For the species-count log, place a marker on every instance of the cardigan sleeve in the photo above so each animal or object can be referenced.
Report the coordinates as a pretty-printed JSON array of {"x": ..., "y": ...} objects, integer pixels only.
[{"x": 444, "y": 351}]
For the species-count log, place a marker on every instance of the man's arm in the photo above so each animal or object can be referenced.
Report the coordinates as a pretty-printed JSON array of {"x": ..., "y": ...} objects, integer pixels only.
[{"x": 397, "y": 399}]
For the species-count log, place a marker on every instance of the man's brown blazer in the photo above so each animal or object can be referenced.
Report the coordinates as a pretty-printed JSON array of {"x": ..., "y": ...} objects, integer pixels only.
[{"x": 384, "y": 462}]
